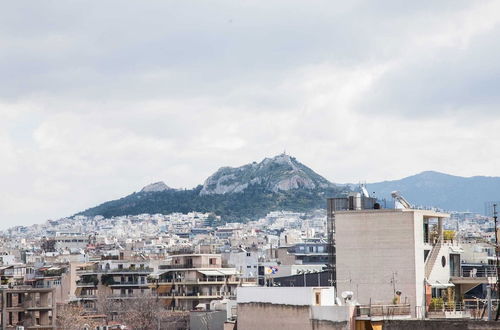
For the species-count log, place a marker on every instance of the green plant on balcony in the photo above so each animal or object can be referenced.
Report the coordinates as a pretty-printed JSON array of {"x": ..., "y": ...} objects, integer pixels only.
[
  {"x": 54, "y": 272},
  {"x": 107, "y": 280},
  {"x": 88, "y": 279},
  {"x": 436, "y": 304}
]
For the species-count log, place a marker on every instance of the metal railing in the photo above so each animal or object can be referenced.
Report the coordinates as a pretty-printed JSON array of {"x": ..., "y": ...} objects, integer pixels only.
[
  {"x": 115, "y": 270},
  {"x": 383, "y": 310},
  {"x": 130, "y": 283},
  {"x": 475, "y": 272}
]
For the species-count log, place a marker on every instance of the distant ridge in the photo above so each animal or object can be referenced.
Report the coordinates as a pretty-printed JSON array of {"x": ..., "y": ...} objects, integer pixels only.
[
  {"x": 283, "y": 183},
  {"x": 445, "y": 191}
]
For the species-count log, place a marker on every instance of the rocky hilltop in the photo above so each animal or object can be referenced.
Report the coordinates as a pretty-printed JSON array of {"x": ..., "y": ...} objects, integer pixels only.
[
  {"x": 236, "y": 194},
  {"x": 280, "y": 173},
  {"x": 156, "y": 187}
]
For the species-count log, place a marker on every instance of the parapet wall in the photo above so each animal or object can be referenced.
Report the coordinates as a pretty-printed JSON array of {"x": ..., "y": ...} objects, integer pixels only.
[
  {"x": 440, "y": 325},
  {"x": 263, "y": 316}
]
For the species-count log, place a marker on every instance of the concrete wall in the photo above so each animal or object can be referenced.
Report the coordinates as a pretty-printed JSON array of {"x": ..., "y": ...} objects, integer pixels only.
[
  {"x": 213, "y": 320},
  {"x": 284, "y": 317},
  {"x": 297, "y": 296},
  {"x": 370, "y": 247},
  {"x": 332, "y": 313}
]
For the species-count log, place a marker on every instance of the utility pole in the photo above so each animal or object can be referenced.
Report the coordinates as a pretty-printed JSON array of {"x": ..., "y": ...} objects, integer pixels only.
[{"x": 496, "y": 262}]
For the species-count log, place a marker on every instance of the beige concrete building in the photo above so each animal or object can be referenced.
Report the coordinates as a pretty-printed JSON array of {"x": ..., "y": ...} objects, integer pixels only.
[
  {"x": 32, "y": 308},
  {"x": 383, "y": 252},
  {"x": 187, "y": 281}
]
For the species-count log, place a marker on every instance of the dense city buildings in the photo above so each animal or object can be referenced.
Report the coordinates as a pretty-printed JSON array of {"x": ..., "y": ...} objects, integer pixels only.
[{"x": 402, "y": 264}]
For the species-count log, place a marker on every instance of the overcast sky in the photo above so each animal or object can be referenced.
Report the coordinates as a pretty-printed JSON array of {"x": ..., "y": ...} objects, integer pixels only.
[{"x": 98, "y": 99}]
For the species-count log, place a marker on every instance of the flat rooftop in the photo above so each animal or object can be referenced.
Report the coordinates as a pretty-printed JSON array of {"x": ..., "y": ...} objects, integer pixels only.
[{"x": 425, "y": 213}]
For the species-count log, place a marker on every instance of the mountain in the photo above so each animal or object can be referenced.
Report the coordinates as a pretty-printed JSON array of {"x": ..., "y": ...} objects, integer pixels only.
[
  {"x": 236, "y": 194},
  {"x": 281, "y": 173},
  {"x": 441, "y": 190}
]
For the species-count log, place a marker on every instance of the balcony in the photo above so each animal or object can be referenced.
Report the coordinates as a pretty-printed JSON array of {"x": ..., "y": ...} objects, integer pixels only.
[
  {"x": 474, "y": 275},
  {"x": 129, "y": 283},
  {"x": 81, "y": 284},
  {"x": 195, "y": 295},
  {"x": 198, "y": 282},
  {"x": 123, "y": 296},
  {"x": 128, "y": 270},
  {"x": 188, "y": 266},
  {"x": 476, "y": 272},
  {"x": 383, "y": 311}
]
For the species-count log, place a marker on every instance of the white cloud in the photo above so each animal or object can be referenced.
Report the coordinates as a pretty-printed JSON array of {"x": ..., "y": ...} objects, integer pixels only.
[{"x": 97, "y": 100}]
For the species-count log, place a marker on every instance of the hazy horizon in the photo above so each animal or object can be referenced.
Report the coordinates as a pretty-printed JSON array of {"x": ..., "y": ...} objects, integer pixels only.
[{"x": 100, "y": 99}]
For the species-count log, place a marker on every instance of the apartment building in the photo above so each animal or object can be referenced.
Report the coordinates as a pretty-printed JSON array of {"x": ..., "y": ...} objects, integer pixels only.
[
  {"x": 114, "y": 279},
  {"x": 32, "y": 308},
  {"x": 188, "y": 281}
]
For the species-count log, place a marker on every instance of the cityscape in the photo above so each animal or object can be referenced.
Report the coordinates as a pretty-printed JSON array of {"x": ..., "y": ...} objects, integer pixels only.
[{"x": 249, "y": 165}]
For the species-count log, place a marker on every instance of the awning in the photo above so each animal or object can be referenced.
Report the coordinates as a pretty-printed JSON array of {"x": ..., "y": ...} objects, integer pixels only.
[
  {"x": 229, "y": 271},
  {"x": 157, "y": 274},
  {"x": 456, "y": 249},
  {"x": 439, "y": 285},
  {"x": 210, "y": 272}
]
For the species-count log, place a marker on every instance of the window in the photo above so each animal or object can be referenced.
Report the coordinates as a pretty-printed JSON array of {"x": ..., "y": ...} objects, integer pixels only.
[
  {"x": 212, "y": 261},
  {"x": 248, "y": 254},
  {"x": 318, "y": 298}
]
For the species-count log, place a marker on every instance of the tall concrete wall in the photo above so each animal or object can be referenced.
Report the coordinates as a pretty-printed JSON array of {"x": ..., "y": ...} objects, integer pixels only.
[{"x": 370, "y": 247}]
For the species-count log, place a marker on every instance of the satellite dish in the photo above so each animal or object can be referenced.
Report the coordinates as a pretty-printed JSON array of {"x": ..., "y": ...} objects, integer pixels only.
[{"x": 347, "y": 295}]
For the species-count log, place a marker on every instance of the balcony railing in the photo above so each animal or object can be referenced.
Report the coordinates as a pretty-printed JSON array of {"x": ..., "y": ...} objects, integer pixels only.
[
  {"x": 475, "y": 272},
  {"x": 196, "y": 295},
  {"x": 383, "y": 310},
  {"x": 116, "y": 270},
  {"x": 90, "y": 283},
  {"x": 130, "y": 283},
  {"x": 197, "y": 281},
  {"x": 187, "y": 266}
]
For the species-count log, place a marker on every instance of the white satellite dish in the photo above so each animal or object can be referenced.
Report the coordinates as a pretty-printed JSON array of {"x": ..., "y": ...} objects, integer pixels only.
[{"x": 347, "y": 295}]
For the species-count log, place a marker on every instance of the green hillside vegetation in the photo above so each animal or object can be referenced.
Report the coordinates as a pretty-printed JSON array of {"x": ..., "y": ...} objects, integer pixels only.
[{"x": 252, "y": 203}]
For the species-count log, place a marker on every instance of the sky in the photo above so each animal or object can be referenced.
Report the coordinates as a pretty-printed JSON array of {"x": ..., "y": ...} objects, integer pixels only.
[{"x": 98, "y": 99}]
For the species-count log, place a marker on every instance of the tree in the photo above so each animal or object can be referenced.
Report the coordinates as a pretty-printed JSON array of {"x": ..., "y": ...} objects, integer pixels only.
[
  {"x": 143, "y": 312},
  {"x": 48, "y": 245},
  {"x": 72, "y": 317},
  {"x": 105, "y": 305}
]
